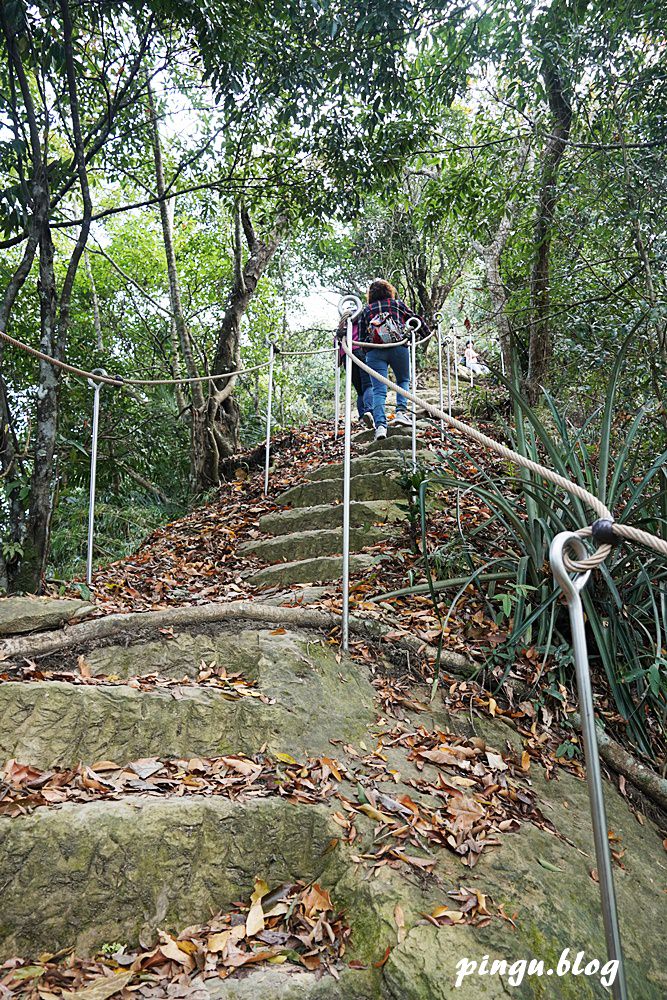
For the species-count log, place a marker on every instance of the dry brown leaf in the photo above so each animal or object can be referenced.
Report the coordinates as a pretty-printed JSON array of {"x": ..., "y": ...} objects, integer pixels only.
[{"x": 102, "y": 987}]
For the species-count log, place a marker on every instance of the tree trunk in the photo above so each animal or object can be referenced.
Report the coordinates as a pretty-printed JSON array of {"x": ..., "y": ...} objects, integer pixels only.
[
  {"x": 541, "y": 343},
  {"x": 491, "y": 255},
  {"x": 180, "y": 335},
  {"x": 97, "y": 324},
  {"x": 216, "y": 424},
  {"x": 11, "y": 457},
  {"x": 54, "y": 321},
  {"x": 33, "y": 562}
]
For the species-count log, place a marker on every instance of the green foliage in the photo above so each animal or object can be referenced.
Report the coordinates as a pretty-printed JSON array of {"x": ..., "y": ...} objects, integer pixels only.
[
  {"x": 626, "y": 602},
  {"x": 119, "y": 530}
]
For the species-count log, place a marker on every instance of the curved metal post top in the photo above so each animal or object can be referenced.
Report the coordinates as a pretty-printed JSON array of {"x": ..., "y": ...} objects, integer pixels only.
[
  {"x": 349, "y": 304},
  {"x": 97, "y": 371},
  {"x": 570, "y": 585}
]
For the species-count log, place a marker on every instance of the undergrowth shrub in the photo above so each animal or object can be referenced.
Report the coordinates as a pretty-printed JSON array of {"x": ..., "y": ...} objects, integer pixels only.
[
  {"x": 119, "y": 528},
  {"x": 625, "y": 601}
]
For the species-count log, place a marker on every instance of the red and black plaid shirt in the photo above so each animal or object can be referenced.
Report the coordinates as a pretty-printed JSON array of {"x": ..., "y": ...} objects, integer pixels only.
[{"x": 395, "y": 308}]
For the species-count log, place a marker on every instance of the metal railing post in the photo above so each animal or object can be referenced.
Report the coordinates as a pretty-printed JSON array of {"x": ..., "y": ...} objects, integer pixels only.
[
  {"x": 413, "y": 324},
  {"x": 348, "y": 306},
  {"x": 337, "y": 393},
  {"x": 440, "y": 386},
  {"x": 449, "y": 376},
  {"x": 572, "y": 588},
  {"x": 456, "y": 357},
  {"x": 269, "y": 402},
  {"x": 93, "y": 472}
]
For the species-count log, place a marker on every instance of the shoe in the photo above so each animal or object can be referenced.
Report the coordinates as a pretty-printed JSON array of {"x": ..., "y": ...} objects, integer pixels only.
[
  {"x": 380, "y": 432},
  {"x": 403, "y": 417},
  {"x": 368, "y": 419}
]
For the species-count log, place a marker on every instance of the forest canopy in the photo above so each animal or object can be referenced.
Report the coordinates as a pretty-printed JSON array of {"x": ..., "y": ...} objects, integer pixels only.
[{"x": 178, "y": 179}]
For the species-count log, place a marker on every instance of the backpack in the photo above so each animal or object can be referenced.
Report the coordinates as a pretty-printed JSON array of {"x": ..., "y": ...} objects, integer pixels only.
[{"x": 385, "y": 329}]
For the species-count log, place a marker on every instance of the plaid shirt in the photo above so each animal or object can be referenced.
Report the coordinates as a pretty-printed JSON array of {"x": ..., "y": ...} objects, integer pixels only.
[{"x": 395, "y": 308}]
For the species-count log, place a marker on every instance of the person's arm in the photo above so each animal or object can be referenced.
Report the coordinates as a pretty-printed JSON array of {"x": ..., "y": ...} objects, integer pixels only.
[
  {"x": 362, "y": 326},
  {"x": 407, "y": 314}
]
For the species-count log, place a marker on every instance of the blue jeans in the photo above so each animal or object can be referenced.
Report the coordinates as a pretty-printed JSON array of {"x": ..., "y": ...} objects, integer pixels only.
[
  {"x": 380, "y": 360},
  {"x": 361, "y": 381}
]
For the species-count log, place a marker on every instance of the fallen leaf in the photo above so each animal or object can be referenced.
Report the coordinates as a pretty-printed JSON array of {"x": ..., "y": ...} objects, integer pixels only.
[
  {"x": 103, "y": 987},
  {"x": 399, "y": 917},
  {"x": 549, "y": 867}
]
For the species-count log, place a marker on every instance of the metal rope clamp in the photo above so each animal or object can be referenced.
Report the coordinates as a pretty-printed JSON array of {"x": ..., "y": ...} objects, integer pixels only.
[{"x": 602, "y": 532}]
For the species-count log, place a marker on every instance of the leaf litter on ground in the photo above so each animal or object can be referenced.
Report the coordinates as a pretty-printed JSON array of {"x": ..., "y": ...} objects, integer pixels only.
[{"x": 293, "y": 924}]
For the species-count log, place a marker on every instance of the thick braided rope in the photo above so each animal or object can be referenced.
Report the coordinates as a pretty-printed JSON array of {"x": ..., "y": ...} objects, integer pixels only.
[
  {"x": 110, "y": 380},
  {"x": 574, "y": 565}
]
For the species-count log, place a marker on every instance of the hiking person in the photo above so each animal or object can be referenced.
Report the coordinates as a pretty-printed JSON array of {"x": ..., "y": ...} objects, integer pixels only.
[
  {"x": 382, "y": 321},
  {"x": 361, "y": 380}
]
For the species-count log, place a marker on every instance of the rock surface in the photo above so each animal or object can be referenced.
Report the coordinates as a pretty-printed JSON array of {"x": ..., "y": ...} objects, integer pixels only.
[
  {"x": 318, "y": 569},
  {"x": 314, "y": 698},
  {"x": 114, "y": 871},
  {"x": 308, "y": 544},
  {"x": 117, "y": 870},
  {"x": 35, "y": 614},
  {"x": 362, "y": 514}
]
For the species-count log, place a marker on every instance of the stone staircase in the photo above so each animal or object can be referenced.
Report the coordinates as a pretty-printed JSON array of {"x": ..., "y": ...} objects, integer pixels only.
[
  {"x": 82, "y": 874},
  {"x": 305, "y": 542}
]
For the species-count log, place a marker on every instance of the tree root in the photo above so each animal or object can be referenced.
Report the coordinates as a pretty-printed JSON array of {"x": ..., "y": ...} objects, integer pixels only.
[
  {"x": 619, "y": 760},
  {"x": 96, "y": 629}
]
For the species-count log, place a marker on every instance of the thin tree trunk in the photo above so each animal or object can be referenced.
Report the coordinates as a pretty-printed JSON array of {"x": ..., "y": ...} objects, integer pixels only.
[
  {"x": 30, "y": 571},
  {"x": 97, "y": 324},
  {"x": 180, "y": 333},
  {"x": 541, "y": 342},
  {"x": 54, "y": 316},
  {"x": 218, "y": 432},
  {"x": 491, "y": 255},
  {"x": 26, "y": 575},
  {"x": 178, "y": 316}
]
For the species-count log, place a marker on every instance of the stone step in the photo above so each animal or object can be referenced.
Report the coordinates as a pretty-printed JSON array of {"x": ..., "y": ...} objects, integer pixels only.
[
  {"x": 321, "y": 569},
  {"x": 393, "y": 431},
  {"x": 363, "y": 513},
  {"x": 457, "y": 411},
  {"x": 314, "y": 699},
  {"x": 33, "y": 614},
  {"x": 84, "y": 874},
  {"x": 363, "y": 465},
  {"x": 307, "y": 544},
  {"x": 371, "y": 486},
  {"x": 396, "y": 443},
  {"x": 376, "y": 460},
  {"x": 288, "y": 982}
]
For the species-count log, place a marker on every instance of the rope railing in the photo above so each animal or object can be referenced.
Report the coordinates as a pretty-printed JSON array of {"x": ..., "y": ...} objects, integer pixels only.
[
  {"x": 601, "y": 530},
  {"x": 568, "y": 554},
  {"x": 118, "y": 380}
]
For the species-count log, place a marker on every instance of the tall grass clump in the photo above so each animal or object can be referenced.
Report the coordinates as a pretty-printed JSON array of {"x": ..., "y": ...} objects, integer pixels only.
[{"x": 625, "y": 601}]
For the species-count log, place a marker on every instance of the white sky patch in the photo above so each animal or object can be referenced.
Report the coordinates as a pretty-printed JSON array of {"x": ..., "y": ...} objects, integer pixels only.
[{"x": 319, "y": 308}]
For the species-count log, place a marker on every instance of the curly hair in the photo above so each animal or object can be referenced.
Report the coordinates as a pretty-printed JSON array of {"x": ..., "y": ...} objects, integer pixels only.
[{"x": 380, "y": 289}]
